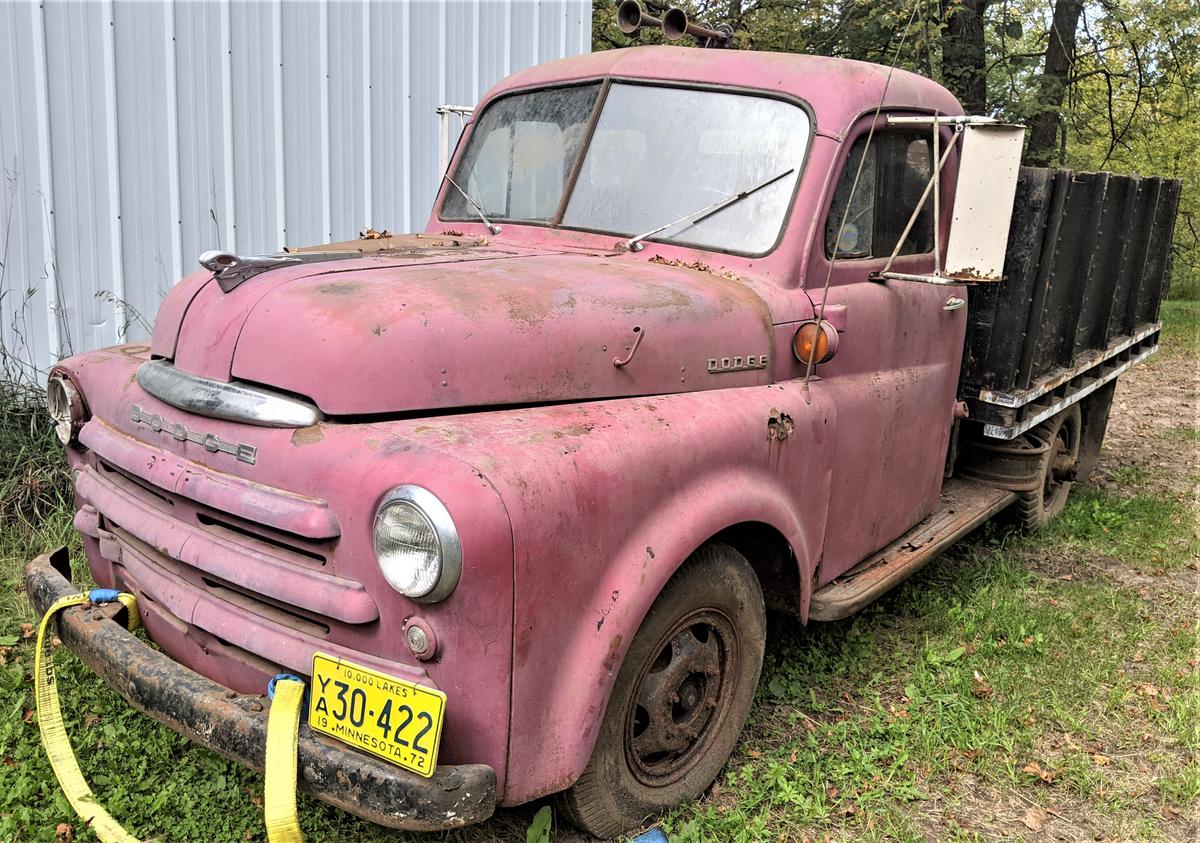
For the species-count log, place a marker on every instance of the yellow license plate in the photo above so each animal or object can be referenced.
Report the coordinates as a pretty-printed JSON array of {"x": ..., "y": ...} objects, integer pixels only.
[{"x": 389, "y": 717}]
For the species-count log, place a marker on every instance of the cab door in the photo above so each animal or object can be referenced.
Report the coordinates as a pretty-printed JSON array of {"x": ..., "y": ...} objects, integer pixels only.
[{"x": 894, "y": 377}]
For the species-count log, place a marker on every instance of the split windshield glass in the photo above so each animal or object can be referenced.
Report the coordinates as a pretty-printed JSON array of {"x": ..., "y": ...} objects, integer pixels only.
[{"x": 656, "y": 154}]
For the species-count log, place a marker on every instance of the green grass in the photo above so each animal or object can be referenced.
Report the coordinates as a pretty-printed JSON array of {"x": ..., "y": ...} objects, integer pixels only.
[
  {"x": 1181, "y": 327},
  {"x": 1188, "y": 433},
  {"x": 976, "y": 669},
  {"x": 1148, "y": 531}
]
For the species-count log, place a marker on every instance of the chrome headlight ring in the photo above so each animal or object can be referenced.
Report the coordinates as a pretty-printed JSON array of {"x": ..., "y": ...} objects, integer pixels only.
[
  {"x": 66, "y": 407},
  {"x": 417, "y": 545}
]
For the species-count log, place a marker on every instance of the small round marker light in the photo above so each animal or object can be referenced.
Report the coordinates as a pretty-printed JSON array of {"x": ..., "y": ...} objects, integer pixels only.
[
  {"x": 815, "y": 342},
  {"x": 418, "y": 641}
]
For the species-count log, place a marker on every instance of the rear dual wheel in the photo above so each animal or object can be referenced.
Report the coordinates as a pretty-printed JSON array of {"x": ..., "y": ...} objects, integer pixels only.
[
  {"x": 680, "y": 699},
  {"x": 1058, "y": 467}
]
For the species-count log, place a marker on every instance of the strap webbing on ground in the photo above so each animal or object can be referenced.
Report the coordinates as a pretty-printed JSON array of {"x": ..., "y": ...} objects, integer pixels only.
[
  {"x": 283, "y": 728},
  {"x": 54, "y": 733},
  {"x": 283, "y": 725}
]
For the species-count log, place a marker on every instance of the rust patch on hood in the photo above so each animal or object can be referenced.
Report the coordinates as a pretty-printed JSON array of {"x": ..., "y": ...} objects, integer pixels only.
[{"x": 308, "y": 436}]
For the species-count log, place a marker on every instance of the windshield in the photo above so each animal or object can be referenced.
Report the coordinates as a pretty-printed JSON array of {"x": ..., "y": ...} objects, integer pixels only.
[{"x": 657, "y": 154}]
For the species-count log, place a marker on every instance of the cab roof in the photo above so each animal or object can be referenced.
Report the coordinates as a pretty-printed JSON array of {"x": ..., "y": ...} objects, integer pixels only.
[{"x": 839, "y": 90}]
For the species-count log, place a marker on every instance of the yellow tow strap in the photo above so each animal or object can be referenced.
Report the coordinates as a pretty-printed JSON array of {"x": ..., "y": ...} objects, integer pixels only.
[
  {"x": 283, "y": 731},
  {"x": 283, "y": 725}
]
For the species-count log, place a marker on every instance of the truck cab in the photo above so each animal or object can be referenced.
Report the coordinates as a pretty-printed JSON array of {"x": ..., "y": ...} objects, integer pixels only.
[{"x": 642, "y": 377}]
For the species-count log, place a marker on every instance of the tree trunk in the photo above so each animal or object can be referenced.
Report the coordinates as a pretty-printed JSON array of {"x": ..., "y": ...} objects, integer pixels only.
[
  {"x": 1052, "y": 86},
  {"x": 964, "y": 60}
]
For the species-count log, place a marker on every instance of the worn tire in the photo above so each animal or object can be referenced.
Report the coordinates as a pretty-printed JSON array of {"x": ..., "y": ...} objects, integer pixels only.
[
  {"x": 1058, "y": 468},
  {"x": 710, "y": 612}
]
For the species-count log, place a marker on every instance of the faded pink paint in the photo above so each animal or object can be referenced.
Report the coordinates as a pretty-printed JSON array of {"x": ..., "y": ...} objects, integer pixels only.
[{"x": 573, "y": 511}]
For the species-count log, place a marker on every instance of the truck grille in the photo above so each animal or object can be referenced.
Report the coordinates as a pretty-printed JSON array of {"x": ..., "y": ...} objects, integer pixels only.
[{"x": 268, "y": 593}]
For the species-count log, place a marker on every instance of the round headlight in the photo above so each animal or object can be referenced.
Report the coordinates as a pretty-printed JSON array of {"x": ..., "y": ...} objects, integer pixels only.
[
  {"x": 417, "y": 545},
  {"x": 65, "y": 406}
]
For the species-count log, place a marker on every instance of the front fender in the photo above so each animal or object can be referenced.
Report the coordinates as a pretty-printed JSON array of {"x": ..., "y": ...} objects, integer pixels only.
[{"x": 607, "y": 500}]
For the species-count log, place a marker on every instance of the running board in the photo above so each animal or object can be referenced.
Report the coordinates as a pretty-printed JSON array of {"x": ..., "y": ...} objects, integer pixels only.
[{"x": 965, "y": 505}]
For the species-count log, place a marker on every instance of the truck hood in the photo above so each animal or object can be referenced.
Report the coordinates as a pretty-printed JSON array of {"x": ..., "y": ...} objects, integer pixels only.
[{"x": 359, "y": 338}]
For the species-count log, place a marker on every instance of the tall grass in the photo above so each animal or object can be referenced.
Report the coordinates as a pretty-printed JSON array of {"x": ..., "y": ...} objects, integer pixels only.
[
  {"x": 35, "y": 491},
  {"x": 33, "y": 476}
]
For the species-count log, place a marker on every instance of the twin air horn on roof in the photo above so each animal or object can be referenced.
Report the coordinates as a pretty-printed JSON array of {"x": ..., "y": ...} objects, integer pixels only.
[{"x": 675, "y": 24}]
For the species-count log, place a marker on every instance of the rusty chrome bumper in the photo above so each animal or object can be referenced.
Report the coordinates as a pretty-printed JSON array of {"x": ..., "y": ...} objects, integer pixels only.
[{"x": 235, "y": 725}]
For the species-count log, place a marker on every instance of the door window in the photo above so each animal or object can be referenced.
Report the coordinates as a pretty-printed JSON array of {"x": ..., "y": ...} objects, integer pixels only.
[{"x": 894, "y": 176}]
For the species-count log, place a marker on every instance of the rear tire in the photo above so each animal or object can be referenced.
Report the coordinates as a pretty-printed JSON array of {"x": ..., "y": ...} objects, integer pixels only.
[
  {"x": 1058, "y": 467},
  {"x": 680, "y": 699}
]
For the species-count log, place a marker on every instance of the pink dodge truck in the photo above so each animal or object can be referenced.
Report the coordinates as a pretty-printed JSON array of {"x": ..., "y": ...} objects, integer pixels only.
[{"x": 690, "y": 334}]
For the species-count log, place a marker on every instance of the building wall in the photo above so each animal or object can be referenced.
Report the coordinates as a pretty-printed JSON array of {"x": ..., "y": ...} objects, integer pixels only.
[{"x": 134, "y": 136}]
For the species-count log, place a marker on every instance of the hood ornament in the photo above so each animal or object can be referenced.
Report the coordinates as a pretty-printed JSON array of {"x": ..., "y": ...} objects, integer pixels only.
[{"x": 230, "y": 270}]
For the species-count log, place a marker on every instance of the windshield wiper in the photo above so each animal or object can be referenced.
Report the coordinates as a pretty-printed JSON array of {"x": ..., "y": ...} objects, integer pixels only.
[
  {"x": 492, "y": 227},
  {"x": 634, "y": 244}
]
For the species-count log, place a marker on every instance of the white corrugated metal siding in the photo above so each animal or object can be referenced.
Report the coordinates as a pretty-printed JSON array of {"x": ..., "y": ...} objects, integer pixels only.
[{"x": 133, "y": 136}]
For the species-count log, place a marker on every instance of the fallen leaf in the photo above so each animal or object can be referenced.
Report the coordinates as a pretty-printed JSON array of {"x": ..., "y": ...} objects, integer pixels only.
[
  {"x": 1034, "y": 819},
  {"x": 1036, "y": 769},
  {"x": 979, "y": 686},
  {"x": 64, "y": 833}
]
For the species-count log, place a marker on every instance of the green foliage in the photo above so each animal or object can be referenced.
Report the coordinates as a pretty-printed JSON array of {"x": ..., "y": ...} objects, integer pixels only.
[
  {"x": 1181, "y": 328},
  {"x": 977, "y": 669},
  {"x": 539, "y": 829},
  {"x": 1149, "y": 532},
  {"x": 33, "y": 476}
]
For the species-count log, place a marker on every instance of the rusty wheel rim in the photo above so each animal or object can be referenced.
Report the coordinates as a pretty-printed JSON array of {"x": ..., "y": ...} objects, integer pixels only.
[
  {"x": 681, "y": 697},
  {"x": 1064, "y": 454}
]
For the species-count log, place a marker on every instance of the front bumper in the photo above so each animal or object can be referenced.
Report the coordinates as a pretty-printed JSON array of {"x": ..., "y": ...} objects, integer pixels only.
[{"x": 235, "y": 725}]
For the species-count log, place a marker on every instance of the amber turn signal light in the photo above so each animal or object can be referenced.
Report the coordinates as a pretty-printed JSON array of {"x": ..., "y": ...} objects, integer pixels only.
[{"x": 815, "y": 342}]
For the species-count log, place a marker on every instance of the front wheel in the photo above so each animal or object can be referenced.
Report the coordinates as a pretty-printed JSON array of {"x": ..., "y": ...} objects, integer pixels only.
[{"x": 680, "y": 699}]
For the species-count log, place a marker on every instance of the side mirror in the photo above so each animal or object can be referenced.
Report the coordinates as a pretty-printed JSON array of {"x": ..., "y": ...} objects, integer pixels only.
[{"x": 989, "y": 163}]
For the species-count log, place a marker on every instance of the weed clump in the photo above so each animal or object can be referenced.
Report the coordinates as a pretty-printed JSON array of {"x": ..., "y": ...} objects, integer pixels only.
[{"x": 34, "y": 483}]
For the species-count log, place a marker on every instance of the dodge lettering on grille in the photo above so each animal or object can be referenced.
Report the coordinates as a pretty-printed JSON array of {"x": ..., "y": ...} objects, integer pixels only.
[{"x": 210, "y": 441}]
